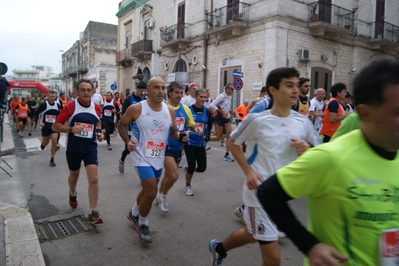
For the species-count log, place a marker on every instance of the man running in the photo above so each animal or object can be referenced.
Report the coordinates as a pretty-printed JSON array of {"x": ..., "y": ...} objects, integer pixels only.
[
  {"x": 275, "y": 138},
  {"x": 22, "y": 111},
  {"x": 173, "y": 153},
  {"x": 84, "y": 128},
  {"x": 154, "y": 122},
  {"x": 133, "y": 98},
  {"x": 31, "y": 116},
  {"x": 109, "y": 110},
  {"x": 47, "y": 114}
]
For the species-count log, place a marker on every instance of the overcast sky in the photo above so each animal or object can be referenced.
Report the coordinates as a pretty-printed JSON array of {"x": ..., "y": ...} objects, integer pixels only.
[{"x": 33, "y": 31}]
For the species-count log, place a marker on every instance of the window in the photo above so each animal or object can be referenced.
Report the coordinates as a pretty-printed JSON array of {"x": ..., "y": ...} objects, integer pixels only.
[
  {"x": 146, "y": 29},
  {"x": 127, "y": 39},
  {"x": 146, "y": 74},
  {"x": 180, "y": 66}
]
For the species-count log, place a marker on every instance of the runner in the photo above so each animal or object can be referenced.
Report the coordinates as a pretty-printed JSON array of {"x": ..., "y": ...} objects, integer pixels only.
[
  {"x": 173, "y": 153},
  {"x": 83, "y": 127},
  {"x": 109, "y": 110},
  {"x": 47, "y": 114},
  {"x": 154, "y": 121},
  {"x": 275, "y": 138},
  {"x": 22, "y": 111}
]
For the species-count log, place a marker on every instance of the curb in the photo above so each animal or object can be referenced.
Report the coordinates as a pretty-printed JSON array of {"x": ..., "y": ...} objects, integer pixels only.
[
  {"x": 7, "y": 146},
  {"x": 20, "y": 238}
]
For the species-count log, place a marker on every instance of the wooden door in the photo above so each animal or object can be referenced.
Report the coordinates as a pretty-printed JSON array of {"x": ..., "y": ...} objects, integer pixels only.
[
  {"x": 181, "y": 14},
  {"x": 233, "y": 9},
  {"x": 226, "y": 76},
  {"x": 325, "y": 10},
  {"x": 379, "y": 19},
  {"x": 321, "y": 78}
]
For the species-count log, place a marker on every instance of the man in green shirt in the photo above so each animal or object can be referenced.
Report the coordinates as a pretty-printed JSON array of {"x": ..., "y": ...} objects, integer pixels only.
[{"x": 352, "y": 183}]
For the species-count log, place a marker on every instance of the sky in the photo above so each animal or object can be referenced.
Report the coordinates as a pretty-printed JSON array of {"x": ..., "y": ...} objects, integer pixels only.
[{"x": 34, "y": 32}]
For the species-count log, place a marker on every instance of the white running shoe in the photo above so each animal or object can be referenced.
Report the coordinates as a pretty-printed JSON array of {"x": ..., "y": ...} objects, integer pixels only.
[
  {"x": 188, "y": 191},
  {"x": 228, "y": 158},
  {"x": 121, "y": 167},
  {"x": 239, "y": 212}
]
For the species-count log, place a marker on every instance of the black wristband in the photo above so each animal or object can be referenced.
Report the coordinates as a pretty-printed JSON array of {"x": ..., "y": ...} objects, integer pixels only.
[
  {"x": 310, "y": 144},
  {"x": 98, "y": 130}
]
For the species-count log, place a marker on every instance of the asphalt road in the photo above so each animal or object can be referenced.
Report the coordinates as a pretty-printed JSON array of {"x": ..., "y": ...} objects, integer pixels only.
[{"x": 180, "y": 237}]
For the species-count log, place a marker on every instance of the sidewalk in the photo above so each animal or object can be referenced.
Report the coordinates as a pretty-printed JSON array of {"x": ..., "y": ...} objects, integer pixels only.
[{"x": 19, "y": 244}]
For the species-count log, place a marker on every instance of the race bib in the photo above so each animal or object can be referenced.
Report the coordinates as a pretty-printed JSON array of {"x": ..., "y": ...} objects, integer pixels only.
[
  {"x": 389, "y": 247},
  {"x": 304, "y": 112},
  {"x": 87, "y": 131},
  {"x": 201, "y": 126},
  {"x": 24, "y": 114},
  {"x": 49, "y": 118},
  {"x": 154, "y": 148},
  {"x": 180, "y": 122},
  {"x": 107, "y": 112}
]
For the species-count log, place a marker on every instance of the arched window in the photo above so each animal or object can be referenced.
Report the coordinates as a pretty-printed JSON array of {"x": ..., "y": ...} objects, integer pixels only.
[
  {"x": 146, "y": 74},
  {"x": 180, "y": 66}
]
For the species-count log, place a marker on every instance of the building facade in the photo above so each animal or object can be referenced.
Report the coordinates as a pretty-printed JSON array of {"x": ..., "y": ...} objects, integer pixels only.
[
  {"x": 91, "y": 57},
  {"x": 204, "y": 42}
]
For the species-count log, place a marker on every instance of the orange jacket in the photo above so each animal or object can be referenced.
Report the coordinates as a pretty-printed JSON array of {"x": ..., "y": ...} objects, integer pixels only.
[
  {"x": 328, "y": 128},
  {"x": 241, "y": 111},
  {"x": 64, "y": 102}
]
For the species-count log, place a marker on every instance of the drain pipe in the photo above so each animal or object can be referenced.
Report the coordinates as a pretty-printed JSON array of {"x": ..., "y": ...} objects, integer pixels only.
[{"x": 205, "y": 59}]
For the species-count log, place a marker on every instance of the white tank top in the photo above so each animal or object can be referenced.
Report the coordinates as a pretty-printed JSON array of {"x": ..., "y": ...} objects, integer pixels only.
[{"x": 151, "y": 131}]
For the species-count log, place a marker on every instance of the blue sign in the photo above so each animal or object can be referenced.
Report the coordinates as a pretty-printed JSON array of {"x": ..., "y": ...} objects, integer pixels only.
[
  {"x": 238, "y": 74},
  {"x": 114, "y": 87},
  {"x": 238, "y": 83}
]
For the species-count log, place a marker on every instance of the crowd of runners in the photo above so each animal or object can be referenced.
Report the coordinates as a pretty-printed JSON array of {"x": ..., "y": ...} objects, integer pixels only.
[{"x": 339, "y": 154}]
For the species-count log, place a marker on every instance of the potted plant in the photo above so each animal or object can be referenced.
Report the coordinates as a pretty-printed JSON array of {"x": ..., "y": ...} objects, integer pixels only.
[
  {"x": 314, "y": 17},
  {"x": 238, "y": 17}
]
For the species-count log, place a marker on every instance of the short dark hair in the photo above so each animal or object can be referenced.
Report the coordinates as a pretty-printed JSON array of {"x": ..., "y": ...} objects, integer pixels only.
[
  {"x": 303, "y": 80},
  {"x": 84, "y": 81},
  {"x": 198, "y": 90},
  {"x": 369, "y": 84},
  {"x": 276, "y": 75},
  {"x": 174, "y": 85},
  {"x": 336, "y": 88},
  {"x": 109, "y": 93},
  {"x": 264, "y": 89}
]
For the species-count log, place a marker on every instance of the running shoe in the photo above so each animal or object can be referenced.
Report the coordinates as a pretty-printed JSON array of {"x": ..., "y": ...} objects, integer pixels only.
[
  {"x": 52, "y": 163},
  {"x": 164, "y": 206},
  {"x": 94, "y": 217},
  {"x": 142, "y": 230},
  {"x": 216, "y": 258},
  {"x": 228, "y": 158},
  {"x": 221, "y": 144},
  {"x": 73, "y": 201},
  {"x": 188, "y": 191},
  {"x": 121, "y": 166},
  {"x": 30, "y": 133},
  {"x": 239, "y": 212},
  {"x": 109, "y": 147},
  {"x": 208, "y": 148},
  {"x": 58, "y": 147},
  {"x": 115, "y": 133}
]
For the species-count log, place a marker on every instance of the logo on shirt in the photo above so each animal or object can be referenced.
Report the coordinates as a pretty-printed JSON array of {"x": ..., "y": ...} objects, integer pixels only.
[{"x": 157, "y": 127}]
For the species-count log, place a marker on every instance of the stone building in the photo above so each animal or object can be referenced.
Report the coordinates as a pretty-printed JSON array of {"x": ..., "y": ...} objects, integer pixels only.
[
  {"x": 92, "y": 57},
  {"x": 204, "y": 42}
]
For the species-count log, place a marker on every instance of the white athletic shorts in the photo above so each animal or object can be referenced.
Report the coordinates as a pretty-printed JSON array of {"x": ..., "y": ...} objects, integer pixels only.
[{"x": 259, "y": 224}]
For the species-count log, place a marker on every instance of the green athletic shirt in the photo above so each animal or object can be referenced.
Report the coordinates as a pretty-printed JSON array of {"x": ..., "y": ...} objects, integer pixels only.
[
  {"x": 351, "y": 122},
  {"x": 353, "y": 195}
]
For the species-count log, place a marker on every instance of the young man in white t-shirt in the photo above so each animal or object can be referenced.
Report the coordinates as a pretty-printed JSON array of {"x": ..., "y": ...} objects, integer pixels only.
[
  {"x": 274, "y": 138},
  {"x": 316, "y": 108}
]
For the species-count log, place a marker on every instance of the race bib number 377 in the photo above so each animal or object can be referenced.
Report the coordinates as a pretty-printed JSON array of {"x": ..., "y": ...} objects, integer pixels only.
[
  {"x": 87, "y": 131},
  {"x": 154, "y": 148}
]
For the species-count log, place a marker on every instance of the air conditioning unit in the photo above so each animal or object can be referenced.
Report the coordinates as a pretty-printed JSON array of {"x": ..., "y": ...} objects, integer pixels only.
[
  {"x": 151, "y": 24},
  {"x": 303, "y": 55}
]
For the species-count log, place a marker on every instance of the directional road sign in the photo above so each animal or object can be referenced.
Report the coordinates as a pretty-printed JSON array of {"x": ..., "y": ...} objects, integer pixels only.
[{"x": 238, "y": 74}]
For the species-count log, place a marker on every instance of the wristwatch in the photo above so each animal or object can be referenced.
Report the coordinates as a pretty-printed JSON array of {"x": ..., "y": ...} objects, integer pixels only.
[{"x": 70, "y": 129}]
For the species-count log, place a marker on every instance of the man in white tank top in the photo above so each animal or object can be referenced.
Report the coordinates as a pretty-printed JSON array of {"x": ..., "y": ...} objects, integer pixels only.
[{"x": 153, "y": 121}]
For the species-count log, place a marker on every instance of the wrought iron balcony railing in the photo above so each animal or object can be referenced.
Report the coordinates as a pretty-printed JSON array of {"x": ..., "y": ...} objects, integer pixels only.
[
  {"x": 140, "y": 47},
  {"x": 326, "y": 12},
  {"x": 124, "y": 54},
  {"x": 384, "y": 30},
  {"x": 234, "y": 12},
  {"x": 175, "y": 32}
]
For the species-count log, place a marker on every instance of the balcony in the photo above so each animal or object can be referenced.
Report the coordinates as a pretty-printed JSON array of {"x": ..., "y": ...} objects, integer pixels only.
[
  {"x": 71, "y": 71},
  {"x": 83, "y": 68},
  {"x": 124, "y": 57},
  {"x": 142, "y": 49},
  {"x": 383, "y": 35},
  {"x": 228, "y": 21},
  {"x": 176, "y": 36},
  {"x": 326, "y": 19}
]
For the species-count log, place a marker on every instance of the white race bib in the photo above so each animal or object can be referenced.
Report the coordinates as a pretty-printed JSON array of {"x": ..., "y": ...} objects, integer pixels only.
[
  {"x": 201, "y": 126},
  {"x": 49, "y": 118},
  {"x": 107, "y": 112},
  {"x": 389, "y": 247},
  {"x": 154, "y": 148},
  {"x": 180, "y": 122},
  {"x": 87, "y": 131},
  {"x": 23, "y": 114}
]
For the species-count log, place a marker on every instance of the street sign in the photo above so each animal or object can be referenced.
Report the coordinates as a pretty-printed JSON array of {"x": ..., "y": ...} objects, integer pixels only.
[
  {"x": 113, "y": 86},
  {"x": 238, "y": 74},
  {"x": 238, "y": 83}
]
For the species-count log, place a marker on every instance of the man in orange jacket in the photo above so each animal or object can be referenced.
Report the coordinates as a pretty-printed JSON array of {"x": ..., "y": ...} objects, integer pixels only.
[{"x": 241, "y": 111}]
